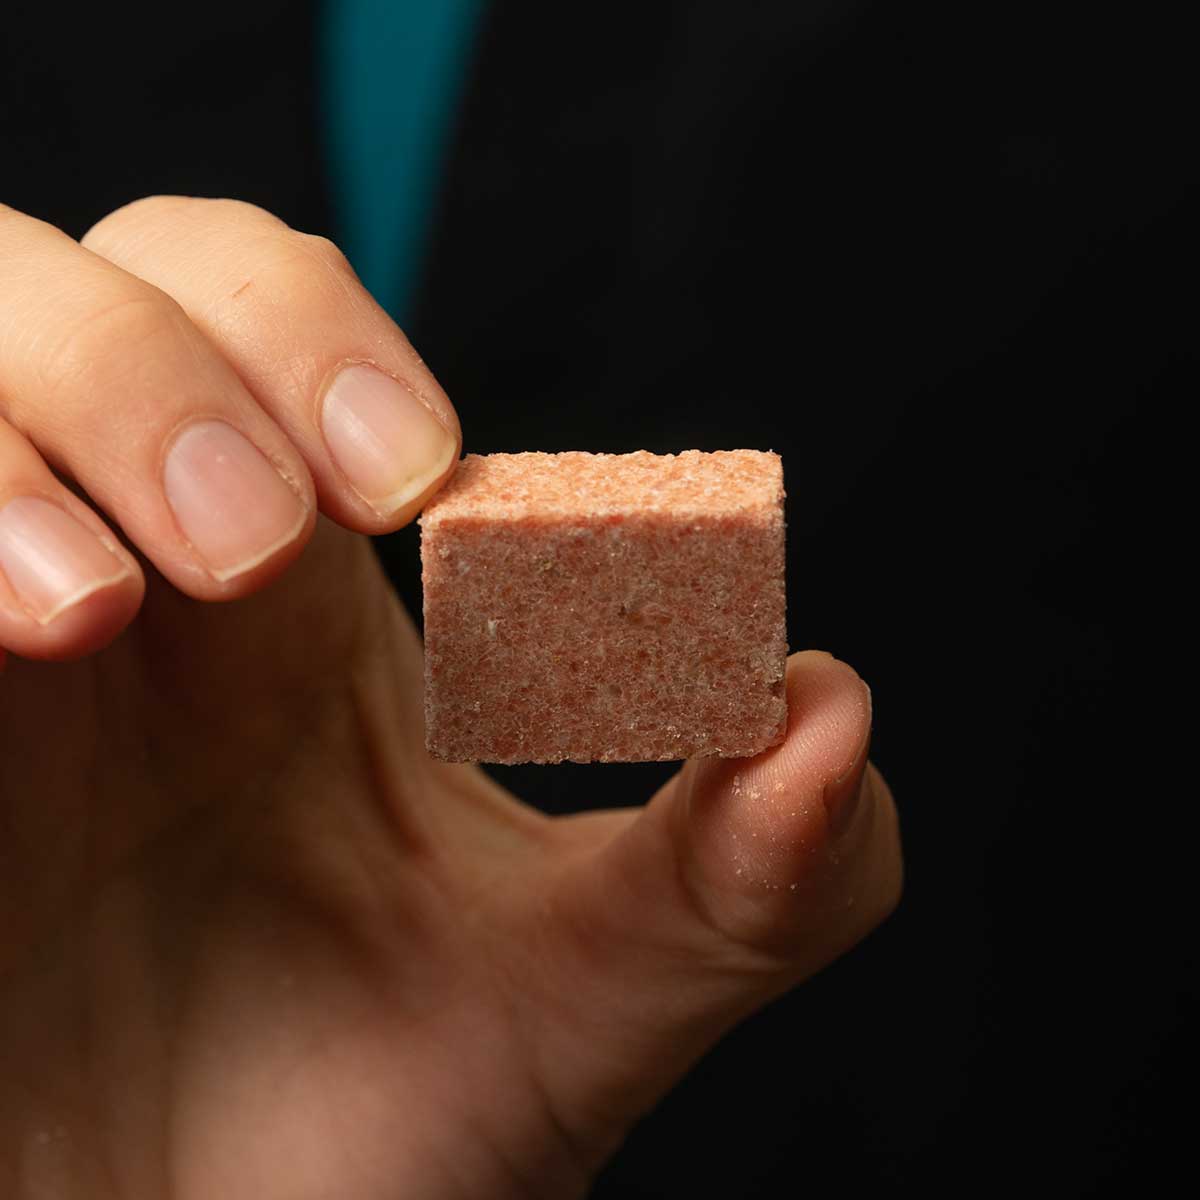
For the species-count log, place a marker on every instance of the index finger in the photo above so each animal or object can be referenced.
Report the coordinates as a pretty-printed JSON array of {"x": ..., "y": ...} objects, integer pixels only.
[{"x": 320, "y": 356}]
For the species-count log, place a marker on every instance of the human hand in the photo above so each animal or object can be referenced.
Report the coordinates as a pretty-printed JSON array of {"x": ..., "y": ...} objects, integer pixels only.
[{"x": 254, "y": 942}]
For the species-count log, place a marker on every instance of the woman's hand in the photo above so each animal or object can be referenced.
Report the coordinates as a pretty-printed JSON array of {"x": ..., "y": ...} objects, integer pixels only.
[{"x": 253, "y": 941}]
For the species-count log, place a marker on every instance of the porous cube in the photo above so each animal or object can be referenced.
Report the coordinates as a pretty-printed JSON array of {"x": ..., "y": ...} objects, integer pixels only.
[{"x": 605, "y": 608}]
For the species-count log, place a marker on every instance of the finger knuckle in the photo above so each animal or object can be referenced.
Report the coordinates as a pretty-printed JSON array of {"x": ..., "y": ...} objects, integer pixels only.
[
  {"x": 290, "y": 281},
  {"x": 325, "y": 253},
  {"x": 139, "y": 211},
  {"x": 226, "y": 216},
  {"x": 236, "y": 211},
  {"x": 735, "y": 927},
  {"x": 292, "y": 270},
  {"x": 113, "y": 336},
  {"x": 161, "y": 209}
]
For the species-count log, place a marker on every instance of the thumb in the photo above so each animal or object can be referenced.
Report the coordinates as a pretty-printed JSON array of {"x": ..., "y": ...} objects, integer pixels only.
[{"x": 741, "y": 878}]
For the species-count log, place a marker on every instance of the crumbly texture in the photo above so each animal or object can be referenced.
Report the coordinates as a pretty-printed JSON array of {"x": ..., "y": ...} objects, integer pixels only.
[{"x": 605, "y": 608}]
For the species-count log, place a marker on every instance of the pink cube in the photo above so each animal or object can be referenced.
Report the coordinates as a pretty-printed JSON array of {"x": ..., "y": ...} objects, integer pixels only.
[{"x": 605, "y": 607}]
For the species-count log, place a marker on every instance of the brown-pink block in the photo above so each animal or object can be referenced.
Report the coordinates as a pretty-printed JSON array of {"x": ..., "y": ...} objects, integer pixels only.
[{"x": 605, "y": 608}]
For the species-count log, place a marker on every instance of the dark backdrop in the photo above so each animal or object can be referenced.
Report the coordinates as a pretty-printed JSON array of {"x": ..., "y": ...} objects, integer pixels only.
[{"x": 938, "y": 256}]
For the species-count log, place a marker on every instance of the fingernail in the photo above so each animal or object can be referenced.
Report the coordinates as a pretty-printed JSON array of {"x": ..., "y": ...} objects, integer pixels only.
[
  {"x": 231, "y": 503},
  {"x": 388, "y": 444},
  {"x": 51, "y": 560},
  {"x": 842, "y": 795}
]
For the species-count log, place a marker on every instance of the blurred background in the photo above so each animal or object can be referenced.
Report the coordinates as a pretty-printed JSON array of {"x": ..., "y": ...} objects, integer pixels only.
[{"x": 941, "y": 257}]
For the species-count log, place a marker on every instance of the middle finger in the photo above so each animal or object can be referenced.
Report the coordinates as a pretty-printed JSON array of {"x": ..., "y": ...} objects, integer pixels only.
[{"x": 111, "y": 382}]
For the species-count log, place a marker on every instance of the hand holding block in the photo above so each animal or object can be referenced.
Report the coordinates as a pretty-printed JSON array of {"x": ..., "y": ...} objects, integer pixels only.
[{"x": 605, "y": 607}]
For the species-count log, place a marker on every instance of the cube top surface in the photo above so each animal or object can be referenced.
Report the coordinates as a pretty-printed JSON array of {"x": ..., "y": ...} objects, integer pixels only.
[{"x": 576, "y": 484}]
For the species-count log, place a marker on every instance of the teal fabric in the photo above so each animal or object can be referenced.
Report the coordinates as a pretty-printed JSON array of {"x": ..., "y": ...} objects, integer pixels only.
[{"x": 392, "y": 73}]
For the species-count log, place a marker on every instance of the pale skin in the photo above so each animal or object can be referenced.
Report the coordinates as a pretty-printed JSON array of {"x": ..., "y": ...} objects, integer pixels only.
[{"x": 254, "y": 942}]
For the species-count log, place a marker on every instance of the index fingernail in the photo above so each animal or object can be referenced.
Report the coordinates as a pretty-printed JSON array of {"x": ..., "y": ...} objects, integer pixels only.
[{"x": 387, "y": 442}]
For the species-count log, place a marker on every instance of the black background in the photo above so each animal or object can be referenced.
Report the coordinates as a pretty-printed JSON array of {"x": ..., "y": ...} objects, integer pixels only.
[{"x": 940, "y": 257}]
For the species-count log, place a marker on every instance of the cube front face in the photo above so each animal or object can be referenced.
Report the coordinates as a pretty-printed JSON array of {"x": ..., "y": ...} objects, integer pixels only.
[{"x": 624, "y": 637}]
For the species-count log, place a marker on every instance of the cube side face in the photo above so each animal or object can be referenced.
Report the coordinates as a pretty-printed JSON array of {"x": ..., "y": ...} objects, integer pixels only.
[{"x": 615, "y": 640}]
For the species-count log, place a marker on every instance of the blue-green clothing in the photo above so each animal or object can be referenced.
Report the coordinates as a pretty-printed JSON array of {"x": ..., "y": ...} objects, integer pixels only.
[{"x": 392, "y": 72}]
